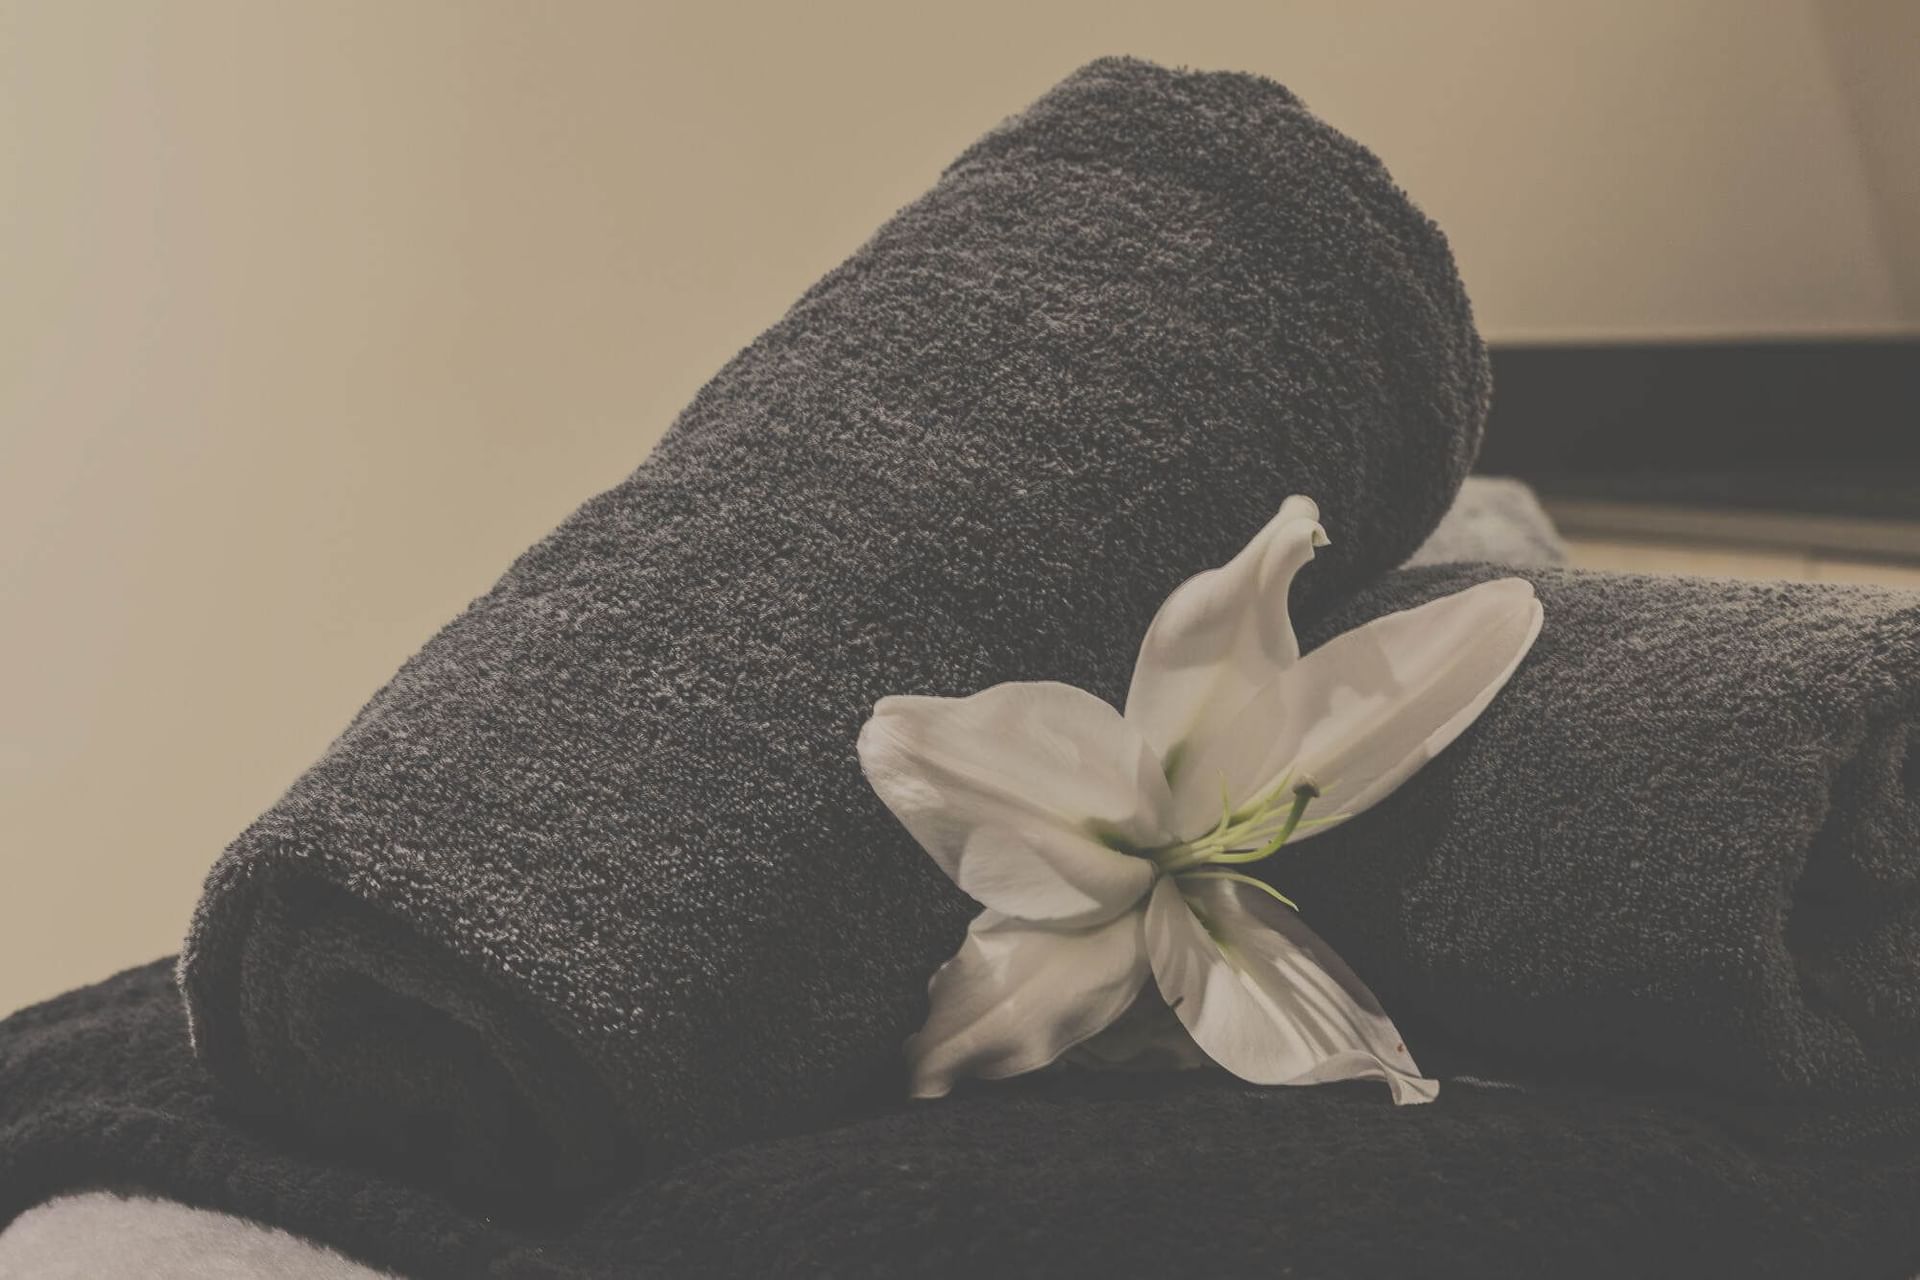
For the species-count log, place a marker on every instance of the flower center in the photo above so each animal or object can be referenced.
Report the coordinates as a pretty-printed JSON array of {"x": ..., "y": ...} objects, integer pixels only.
[{"x": 1254, "y": 831}]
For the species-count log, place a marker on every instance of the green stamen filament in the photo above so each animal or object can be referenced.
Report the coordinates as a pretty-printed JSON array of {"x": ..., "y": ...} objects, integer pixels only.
[
  {"x": 1238, "y": 878},
  {"x": 1255, "y": 831},
  {"x": 1301, "y": 798}
]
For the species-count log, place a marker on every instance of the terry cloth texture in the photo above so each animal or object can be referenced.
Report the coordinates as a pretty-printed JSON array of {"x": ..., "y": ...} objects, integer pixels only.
[
  {"x": 597, "y": 873},
  {"x": 1497, "y": 519},
  {"x": 1066, "y": 1174},
  {"x": 95, "y": 1234},
  {"x": 1683, "y": 842}
]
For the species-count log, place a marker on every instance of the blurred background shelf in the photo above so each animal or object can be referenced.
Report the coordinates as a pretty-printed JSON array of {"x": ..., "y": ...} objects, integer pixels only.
[
  {"x": 1778, "y": 458},
  {"x": 1730, "y": 560},
  {"x": 1760, "y": 532}
]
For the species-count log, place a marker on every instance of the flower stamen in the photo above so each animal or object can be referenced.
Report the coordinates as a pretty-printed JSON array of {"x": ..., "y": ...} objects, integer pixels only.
[
  {"x": 1239, "y": 878},
  {"x": 1255, "y": 831},
  {"x": 1303, "y": 795}
]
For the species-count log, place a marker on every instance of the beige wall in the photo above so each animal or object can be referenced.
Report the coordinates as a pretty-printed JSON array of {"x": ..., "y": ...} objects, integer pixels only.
[
  {"x": 313, "y": 312},
  {"x": 1874, "y": 49}
]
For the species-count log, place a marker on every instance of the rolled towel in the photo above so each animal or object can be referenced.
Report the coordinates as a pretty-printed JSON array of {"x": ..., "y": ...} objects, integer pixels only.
[
  {"x": 597, "y": 876},
  {"x": 1683, "y": 844}
]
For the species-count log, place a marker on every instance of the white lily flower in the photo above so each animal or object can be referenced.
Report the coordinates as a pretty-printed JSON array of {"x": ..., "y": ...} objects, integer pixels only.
[{"x": 1105, "y": 847}]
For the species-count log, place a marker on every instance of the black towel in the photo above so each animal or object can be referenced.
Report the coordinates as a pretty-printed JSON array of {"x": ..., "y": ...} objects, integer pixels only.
[
  {"x": 1068, "y": 1174},
  {"x": 1683, "y": 844},
  {"x": 596, "y": 876}
]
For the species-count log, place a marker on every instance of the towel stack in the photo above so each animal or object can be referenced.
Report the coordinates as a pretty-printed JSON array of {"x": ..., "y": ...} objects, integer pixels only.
[{"x": 586, "y": 950}]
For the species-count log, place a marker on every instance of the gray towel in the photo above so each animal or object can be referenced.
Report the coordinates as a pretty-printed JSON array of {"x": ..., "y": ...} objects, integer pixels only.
[
  {"x": 596, "y": 877},
  {"x": 1683, "y": 845},
  {"x": 1058, "y": 1174}
]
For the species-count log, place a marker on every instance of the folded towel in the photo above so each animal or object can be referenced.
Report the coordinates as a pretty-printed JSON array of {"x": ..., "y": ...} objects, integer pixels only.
[
  {"x": 597, "y": 873},
  {"x": 1684, "y": 841},
  {"x": 1073, "y": 1173}
]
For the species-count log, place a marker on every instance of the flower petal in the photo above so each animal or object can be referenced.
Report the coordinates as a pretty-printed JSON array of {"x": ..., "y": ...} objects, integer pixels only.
[
  {"x": 1025, "y": 794},
  {"x": 1265, "y": 997},
  {"x": 1147, "y": 1037},
  {"x": 1398, "y": 690},
  {"x": 1360, "y": 714},
  {"x": 1016, "y": 996},
  {"x": 1221, "y": 635}
]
